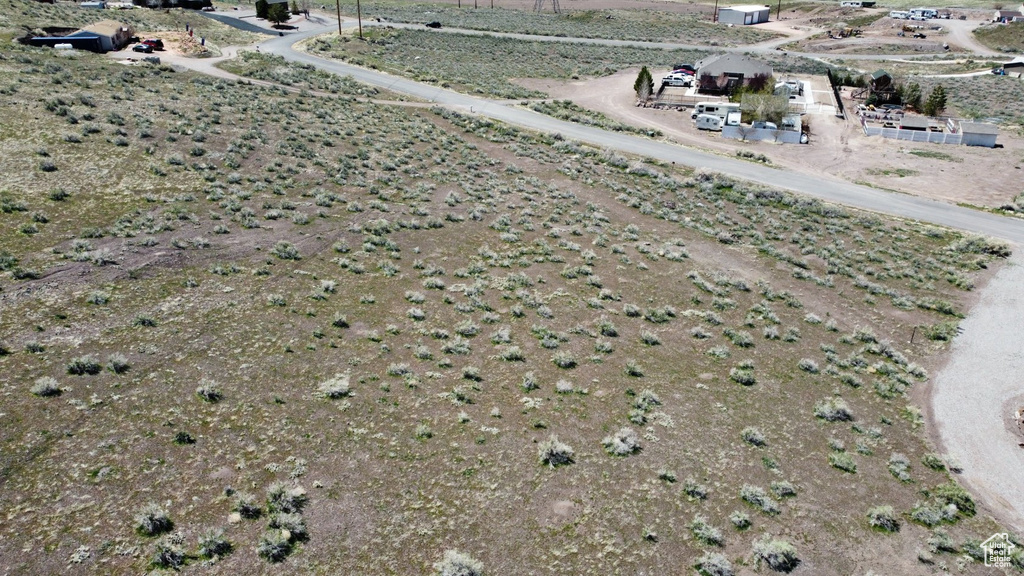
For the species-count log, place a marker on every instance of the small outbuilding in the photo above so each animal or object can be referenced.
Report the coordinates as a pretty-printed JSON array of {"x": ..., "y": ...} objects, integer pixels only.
[
  {"x": 1014, "y": 67},
  {"x": 978, "y": 134},
  {"x": 1008, "y": 16},
  {"x": 102, "y": 36},
  {"x": 908, "y": 122},
  {"x": 745, "y": 14}
]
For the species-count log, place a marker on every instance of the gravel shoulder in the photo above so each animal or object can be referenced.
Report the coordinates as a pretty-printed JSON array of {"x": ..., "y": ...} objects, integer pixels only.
[{"x": 974, "y": 397}]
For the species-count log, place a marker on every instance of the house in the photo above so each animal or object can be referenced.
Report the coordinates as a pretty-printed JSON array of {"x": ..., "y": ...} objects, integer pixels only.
[
  {"x": 746, "y": 14},
  {"x": 726, "y": 72},
  {"x": 857, "y": 3},
  {"x": 1005, "y": 16},
  {"x": 978, "y": 134},
  {"x": 102, "y": 36}
]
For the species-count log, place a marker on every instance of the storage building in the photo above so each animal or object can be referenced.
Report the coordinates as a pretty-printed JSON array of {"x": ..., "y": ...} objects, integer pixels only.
[
  {"x": 978, "y": 134},
  {"x": 746, "y": 14}
]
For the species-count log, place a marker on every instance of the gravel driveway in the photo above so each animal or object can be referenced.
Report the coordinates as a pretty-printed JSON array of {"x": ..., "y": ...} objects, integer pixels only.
[{"x": 973, "y": 399}]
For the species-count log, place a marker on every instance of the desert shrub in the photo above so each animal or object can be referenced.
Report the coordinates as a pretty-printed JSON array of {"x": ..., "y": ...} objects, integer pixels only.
[
  {"x": 455, "y": 563},
  {"x": 622, "y": 443},
  {"x": 943, "y": 331},
  {"x": 953, "y": 493},
  {"x": 842, "y": 461},
  {"x": 274, "y": 546},
  {"x": 84, "y": 365},
  {"x": 808, "y": 365},
  {"x": 168, "y": 554},
  {"x": 117, "y": 363},
  {"x": 884, "y": 518},
  {"x": 694, "y": 490},
  {"x": 646, "y": 400},
  {"x": 45, "y": 387},
  {"x": 833, "y": 410},
  {"x": 740, "y": 520},
  {"x": 563, "y": 386},
  {"x": 973, "y": 244},
  {"x": 291, "y": 522},
  {"x": 754, "y": 436},
  {"x": 759, "y": 499},
  {"x": 334, "y": 388},
  {"x": 423, "y": 432},
  {"x": 633, "y": 369},
  {"x": 940, "y": 541},
  {"x": 743, "y": 376},
  {"x": 926, "y": 515},
  {"x": 705, "y": 532},
  {"x": 554, "y": 453},
  {"x": 286, "y": 251},
  {"x": 183, "y": 438},
  {"x": 98, "y": 297},
  {"x": 152, "y": 520},
  {"x": 564, "y": 360},
  {"x": 209, "y": 391},
  {"x": 899, "y": 467},
  {"x": 247, "y": 505},
  {"x": 212, "y": 544},
  {"x": 783, "y": 489},
  {"x": 933, "y": 461},
  {"x": 713, "y": 564},
  {"x": 779, "y": 555},
  {"x": 649, "y": 338},
  {"x": 284, "y": 498}
]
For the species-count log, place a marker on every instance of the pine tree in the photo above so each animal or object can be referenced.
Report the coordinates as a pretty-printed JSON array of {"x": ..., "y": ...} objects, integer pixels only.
[
  {"x": 936, "y": 102},
  {"x": 262, "y": 8},
  {"x": 278, "y": 13},
  {"x": 912, "y": 95},
  {"x": 644, "y": 85}
]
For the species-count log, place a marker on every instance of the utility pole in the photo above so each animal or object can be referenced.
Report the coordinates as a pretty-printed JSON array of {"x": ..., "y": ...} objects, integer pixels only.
[
  {"x": 359, "y": 18},
  {"x": 778, "y": 13},
  {"x": 715, "y": 17},
  {"x": 337, "y": 4}
]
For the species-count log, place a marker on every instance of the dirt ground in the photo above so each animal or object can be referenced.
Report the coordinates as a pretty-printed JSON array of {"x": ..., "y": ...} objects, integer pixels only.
[{"x": 838, "y": 148}]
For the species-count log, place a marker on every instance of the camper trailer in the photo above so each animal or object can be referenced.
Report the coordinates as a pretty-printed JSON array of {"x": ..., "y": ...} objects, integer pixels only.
[
  {"x": 899, "y": 15},
  {"x": 709, "y": 122},
  {"x": 720, "y": 109}
]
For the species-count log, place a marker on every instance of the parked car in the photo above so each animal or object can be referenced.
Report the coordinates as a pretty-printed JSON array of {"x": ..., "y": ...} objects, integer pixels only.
[
  {"x": 685, "y": 69},
  {"x": 208, "y": 9},
  {"x": 143, "y": 48},
  {"x": 155, "y": 43},
  {"x": 765, "y": 125},
  {"x": 676, "y": 79},
  {"x": 435, "y": 24}
]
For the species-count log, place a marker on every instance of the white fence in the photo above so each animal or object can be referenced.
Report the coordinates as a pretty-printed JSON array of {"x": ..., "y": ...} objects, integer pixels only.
[
  {"x": 760, "y": 134},
  {"x": 913, "y": 135}
]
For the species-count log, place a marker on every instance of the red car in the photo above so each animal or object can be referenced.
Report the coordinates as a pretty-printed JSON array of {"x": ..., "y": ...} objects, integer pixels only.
[{"x": 155, "y": 43}]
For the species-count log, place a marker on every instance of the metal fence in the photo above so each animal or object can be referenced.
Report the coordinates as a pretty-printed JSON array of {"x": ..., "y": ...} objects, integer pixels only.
[
  {"x": 914, "y": 135},
  {"x": 760, "y": 134}
]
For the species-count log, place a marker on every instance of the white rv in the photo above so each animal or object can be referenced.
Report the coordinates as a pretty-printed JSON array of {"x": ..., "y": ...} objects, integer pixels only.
[
  {"x": 899, "y": 15},
  {"x": 720, "y": 109},
  {"x": 709, "y": 122}
]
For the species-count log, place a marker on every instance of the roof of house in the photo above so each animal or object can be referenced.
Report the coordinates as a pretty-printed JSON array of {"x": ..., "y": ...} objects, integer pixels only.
[
  {"x": 748, "y": 8},
  {"x": 1015, "y": 63},
  {"x": 731, "y": 64},
  {"x": 978, "y": 128},
  {"x": 879, "y": 74},
  {"x": 106, "y": 27},
  {"x": 914, "y": 122},
  {"x": 1008, "y": 14}
]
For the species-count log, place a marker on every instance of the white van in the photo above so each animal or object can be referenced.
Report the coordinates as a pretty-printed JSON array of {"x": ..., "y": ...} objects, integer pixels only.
[
  {"x": 720, "y": 109},
  {"x": 709, "y": 122}
]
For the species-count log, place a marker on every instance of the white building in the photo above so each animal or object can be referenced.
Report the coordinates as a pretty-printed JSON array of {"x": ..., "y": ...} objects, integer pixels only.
[{"x": 746, "y": 14}]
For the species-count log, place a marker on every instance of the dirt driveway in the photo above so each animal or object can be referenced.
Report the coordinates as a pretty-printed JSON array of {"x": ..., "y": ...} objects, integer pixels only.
[{"x": 838, "y": 149}]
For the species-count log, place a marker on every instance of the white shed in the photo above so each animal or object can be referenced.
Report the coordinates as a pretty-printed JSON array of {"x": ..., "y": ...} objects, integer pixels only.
[
  {"x": 746, "y": 14},
  {"x": 978, "y": 134}
]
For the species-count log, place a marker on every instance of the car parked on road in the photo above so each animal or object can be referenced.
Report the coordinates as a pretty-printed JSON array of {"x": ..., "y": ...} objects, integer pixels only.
[
  {"x": 154, "y": 43},
  {"x": 146, "y": 48}
]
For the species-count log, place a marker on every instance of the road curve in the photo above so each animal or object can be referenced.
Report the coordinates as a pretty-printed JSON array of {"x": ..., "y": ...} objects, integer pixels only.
[{"x": 974, "y": 396}]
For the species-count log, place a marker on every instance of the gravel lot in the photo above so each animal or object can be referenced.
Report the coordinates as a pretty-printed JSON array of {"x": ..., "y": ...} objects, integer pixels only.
[{"x": 974, "y": 397}]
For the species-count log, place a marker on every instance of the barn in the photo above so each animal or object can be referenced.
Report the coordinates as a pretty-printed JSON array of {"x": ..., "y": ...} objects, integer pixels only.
[{"x": 746, "y": 14}]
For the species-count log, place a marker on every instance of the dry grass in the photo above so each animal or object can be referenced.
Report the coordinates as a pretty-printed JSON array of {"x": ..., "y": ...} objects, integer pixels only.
[{"x": 225, "y": 236}]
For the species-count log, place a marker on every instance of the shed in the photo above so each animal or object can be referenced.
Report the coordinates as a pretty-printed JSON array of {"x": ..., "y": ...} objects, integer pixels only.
[
  {"x": 1014, "y": 67},
  {"x": 978, "y": 134},
  {"x": 726, "y": 72},
  {"x": 913, "y": 122},
  {"x": 745, "y": 14}
]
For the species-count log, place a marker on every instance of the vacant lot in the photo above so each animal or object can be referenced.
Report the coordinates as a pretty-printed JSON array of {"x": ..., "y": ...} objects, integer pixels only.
[
  {"x": 1007, "y": 38},
  {"x": 345, "y": 334}
]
